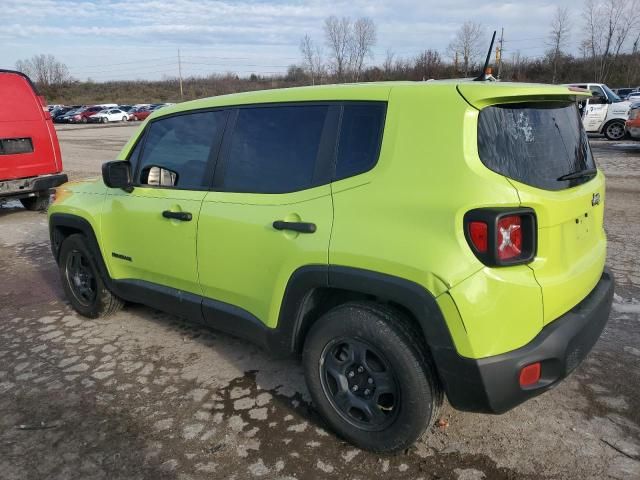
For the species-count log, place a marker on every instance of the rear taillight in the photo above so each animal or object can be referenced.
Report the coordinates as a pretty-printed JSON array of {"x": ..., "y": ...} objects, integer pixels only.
[{"x": 501, "y": 236}]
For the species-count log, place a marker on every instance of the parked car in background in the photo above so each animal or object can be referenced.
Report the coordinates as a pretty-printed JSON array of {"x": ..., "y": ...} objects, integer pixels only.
[
  {"x": 633, "y": 96},
  {"x": 632, "y": 126},
  {"x": 143, "y": 113},
  {"x": 604, "y": 112},
  {"x": 624, "y": 92},
  {"x": 83, "y": 116},
  {"x": 67, "y": 116},
  {"x": 30, "y": 160},
  {"x": 59, "y": 112},
  {"x": 109, "y": 115}
]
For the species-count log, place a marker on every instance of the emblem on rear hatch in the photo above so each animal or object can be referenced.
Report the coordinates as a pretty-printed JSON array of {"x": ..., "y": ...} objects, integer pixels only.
[{"x": 595, "y": 199}]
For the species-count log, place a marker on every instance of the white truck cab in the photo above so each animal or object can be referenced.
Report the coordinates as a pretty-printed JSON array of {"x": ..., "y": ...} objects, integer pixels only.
[{"x": 604, "y": 112}]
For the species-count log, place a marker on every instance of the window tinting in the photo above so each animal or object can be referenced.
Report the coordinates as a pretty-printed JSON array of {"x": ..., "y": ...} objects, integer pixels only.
[
  {"x": 182, "y": 144},
  {"x": 535, "y": 143},
  {"x": 274, "y": 149},
  {"x": 360, "y": 138}
]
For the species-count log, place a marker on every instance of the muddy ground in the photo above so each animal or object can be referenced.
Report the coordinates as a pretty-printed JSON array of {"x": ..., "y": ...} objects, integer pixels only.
[{"x": 144, "y": 395}]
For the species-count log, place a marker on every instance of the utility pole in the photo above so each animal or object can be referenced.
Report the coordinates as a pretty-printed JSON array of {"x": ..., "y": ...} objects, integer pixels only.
[
  {"x": 499, "y": 54},
  {"x": 180, "y": 74}
]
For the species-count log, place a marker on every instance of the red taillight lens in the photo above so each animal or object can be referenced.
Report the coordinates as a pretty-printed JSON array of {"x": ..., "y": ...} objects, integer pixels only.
[
  {"x": 530, "y": 374},
  {"x": 509, "y": 237},
  {"x": 478, "y": 234},
  {"x": 502, "y": 236}
]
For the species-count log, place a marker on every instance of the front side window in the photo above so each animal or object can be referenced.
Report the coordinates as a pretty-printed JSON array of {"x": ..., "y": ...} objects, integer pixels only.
[
  {"x": 274, "y": 149},
  {"x": 538, "y": 144},
  {"x": 177, "y": 150}
]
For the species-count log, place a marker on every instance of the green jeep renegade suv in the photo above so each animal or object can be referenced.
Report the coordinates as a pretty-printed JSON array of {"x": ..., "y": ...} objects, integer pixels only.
[{"x": 409, "y": 240}]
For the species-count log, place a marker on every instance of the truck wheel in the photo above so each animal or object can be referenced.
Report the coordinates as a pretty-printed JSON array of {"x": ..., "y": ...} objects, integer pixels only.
[
  {"x": 35, "y": 204},
  {"x": 614, "y": 130},
  {"x": 82, "y": 282},
  {"x": 370, "y": 377}
]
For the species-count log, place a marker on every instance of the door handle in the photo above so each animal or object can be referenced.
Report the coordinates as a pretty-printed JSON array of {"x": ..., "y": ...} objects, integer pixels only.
[
  {"x": 301, "y": 227},
  {"x": 182, "y": 216}
]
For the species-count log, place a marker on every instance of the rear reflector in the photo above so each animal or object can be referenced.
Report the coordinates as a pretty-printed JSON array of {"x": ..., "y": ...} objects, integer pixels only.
[
  {"x": 478, "y": 234},
  {"x": 530, "y": 375},
  {"x": 509, "y": 237}
]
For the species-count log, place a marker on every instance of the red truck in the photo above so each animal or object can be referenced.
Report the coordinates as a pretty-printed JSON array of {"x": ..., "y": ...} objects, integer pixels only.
[{"x": 30, "y": 160}]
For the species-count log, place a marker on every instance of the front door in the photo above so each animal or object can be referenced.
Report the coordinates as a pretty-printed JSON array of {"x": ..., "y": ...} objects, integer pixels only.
[
  {"x": 272, "y": 210},
  {"x": 150, "y": 233}
]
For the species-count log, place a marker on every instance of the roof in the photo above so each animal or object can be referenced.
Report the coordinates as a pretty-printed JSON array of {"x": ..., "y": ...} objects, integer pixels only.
[{"x": 371, "y": 91}]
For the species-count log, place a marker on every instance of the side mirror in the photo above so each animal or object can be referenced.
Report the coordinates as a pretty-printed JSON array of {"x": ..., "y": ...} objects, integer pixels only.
[{"x": 117, "y": 174}]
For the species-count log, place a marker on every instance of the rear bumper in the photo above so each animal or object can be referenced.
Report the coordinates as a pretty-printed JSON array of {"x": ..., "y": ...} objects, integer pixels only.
[
  {"x": 26, "y": 187},
  {"x": 491, "y": 385}
]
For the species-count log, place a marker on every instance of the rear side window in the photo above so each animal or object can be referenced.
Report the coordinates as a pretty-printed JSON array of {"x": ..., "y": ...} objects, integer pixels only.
[
  {"x": 274, "y": 149},
  {"x": 360, "y": 138},
  {"x": 535, "y": 144},
  {"x": 180, "y": 146}
]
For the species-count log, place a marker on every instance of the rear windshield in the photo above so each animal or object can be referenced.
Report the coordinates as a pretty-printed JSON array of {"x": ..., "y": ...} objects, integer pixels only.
[{"x": 535, "y": 143}]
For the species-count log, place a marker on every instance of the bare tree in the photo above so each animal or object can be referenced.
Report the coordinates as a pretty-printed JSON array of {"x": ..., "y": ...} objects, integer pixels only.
[
  {"x": 428, "y": 64},
  {"x": 387, "y": 65},
  {"x": 607, "y": 25},
  {"x": 338, "y": 38},
  {"x": 467, "y": 44},
  {"x": 558, "y": 37},
  {"x": 45, "y": 70},
  {"x": 363, "y": 38},
  {"x": 312, "y": 56}
]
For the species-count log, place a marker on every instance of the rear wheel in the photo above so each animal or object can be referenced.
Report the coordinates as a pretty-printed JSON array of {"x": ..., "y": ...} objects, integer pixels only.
[
  {"x": 37, "y": 203},
  {"x": 104, "y": 120},
  {"x": 124, "y": 119},
  {"x": 370, "y": 377},
  {"x": 614, "y": 130},
  {"x": 82, "y": 282}
]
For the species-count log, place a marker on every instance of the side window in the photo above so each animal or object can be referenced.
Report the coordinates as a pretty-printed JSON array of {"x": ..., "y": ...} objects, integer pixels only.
[
  {"x": 598, "y": 96},
  {"x": 177, "y": 149},
  {"x": 360, "y": 138},
  {"x": 274, "y": 149}
]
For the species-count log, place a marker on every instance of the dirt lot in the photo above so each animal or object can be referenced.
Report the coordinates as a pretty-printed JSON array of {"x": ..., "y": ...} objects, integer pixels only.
[{"x": 145, "y": 395}]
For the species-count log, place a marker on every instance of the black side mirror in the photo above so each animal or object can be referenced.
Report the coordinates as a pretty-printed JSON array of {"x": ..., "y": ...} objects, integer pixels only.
[{"x": 117, "y": 174}]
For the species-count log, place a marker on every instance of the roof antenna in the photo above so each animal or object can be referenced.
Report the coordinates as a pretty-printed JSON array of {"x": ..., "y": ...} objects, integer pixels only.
[{"x": 486, "y": 71}]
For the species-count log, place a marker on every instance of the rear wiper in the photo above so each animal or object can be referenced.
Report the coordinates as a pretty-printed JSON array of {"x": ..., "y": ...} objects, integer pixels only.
[{"x": 589, "y": 172}]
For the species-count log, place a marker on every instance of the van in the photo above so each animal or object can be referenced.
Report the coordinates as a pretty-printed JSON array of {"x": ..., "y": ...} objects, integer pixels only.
[
  {"x": 30, "y": 160},
  {"x": 604, "y": 112},
  {"x": 407, "y": 240}
]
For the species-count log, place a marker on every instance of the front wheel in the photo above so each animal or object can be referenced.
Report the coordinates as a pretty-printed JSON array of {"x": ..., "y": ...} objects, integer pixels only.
[
  {"x": 614, "y": 130},
  {"x": 369, "y": 376},
  {"x": 82, "y": 282}
]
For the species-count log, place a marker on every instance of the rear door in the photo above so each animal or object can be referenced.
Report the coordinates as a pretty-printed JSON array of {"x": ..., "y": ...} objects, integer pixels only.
[
  {"x": 150, "y": 233},
  {"x": 28, "y": 142},
  {"x": 536, "y": 145},
  {"x": 272, "y": 210}
]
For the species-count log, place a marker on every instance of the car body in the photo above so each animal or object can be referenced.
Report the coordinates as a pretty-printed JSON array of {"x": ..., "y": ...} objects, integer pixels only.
[
  {"x": 143, "y": 112},
  {"x": 30, "y": 160},
  {"x": 632, "y": 125},
  {"x": 109, "y": 115},
  {"x": 633, "y": 97},
  {"x": 386, "y": 231},
  {"x": 83, "y": 115},
  {"x": 604, "y": 112}
]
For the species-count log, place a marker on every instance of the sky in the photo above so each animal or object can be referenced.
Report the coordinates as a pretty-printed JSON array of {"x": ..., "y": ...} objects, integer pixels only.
[{"x": 139, "y": 39}]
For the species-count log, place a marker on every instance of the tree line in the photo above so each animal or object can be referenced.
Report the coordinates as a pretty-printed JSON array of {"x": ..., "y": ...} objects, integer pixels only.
[{"x": 608, "y": 32}]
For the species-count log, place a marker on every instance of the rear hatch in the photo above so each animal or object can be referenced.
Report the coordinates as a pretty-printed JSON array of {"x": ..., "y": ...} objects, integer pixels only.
[
  {"x": 533, "y": 136},
  {"x": 28, "y": 141}
]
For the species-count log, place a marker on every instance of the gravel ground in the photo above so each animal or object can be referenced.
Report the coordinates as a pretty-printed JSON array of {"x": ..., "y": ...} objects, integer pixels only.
[{"x": 145, "y": 395}]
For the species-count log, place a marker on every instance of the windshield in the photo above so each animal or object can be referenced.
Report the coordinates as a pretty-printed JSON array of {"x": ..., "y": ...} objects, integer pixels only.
[
  {"x": 535, "y": 143},
  {"x": 612, "y": 96}
]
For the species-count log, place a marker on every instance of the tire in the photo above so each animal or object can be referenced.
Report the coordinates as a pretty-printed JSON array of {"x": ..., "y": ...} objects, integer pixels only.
[
  {"x": 36, "y": 204},
  {"x": 383, "y": 403},
  {"x": 82, "y": 282},
  {"x": 124, "y": 119},
  {"x": 614, "y": 130},
  {"x": 104, "y": 120},
  {"x": 84, "y": 120},
  {"x": 135, "y": 119}
]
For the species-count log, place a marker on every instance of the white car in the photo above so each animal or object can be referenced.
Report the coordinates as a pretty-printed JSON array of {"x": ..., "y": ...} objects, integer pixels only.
[
  {"x": 604, "y": 112},
  {"x": 109, "y": 115}
]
